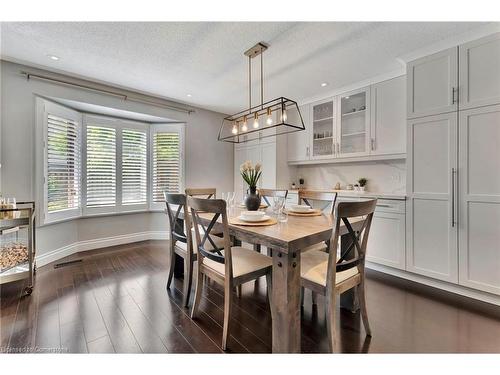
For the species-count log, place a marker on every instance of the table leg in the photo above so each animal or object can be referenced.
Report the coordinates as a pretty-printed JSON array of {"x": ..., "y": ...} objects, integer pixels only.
[
  {"x": 286, "y": 302},
  {"x": 348, "y": 299}
]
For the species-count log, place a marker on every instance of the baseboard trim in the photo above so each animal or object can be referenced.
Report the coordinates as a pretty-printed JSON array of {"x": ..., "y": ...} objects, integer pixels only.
[
  {"x": 452, "y": 288},
  {"x": 98, "y": 243}
]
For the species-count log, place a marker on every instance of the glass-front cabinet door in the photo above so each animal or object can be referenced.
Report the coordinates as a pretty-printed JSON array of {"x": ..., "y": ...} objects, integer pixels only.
[
  {"x": 353, "y": 123},
  {"x": 323, "y": 116}
]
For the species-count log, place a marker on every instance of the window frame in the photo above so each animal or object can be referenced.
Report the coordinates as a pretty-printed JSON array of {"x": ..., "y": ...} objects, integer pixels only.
[
  {"x": 47, "y": 107},
  {"x": 118, "y": 125},
  {"x": 160, "y": 128},
  {"x": 82, "y": 119}
]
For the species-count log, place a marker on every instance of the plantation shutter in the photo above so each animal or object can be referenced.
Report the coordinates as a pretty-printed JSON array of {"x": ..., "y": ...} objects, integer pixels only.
[
  {"x": 62, "y": 178},
  {"x": 101, "y": 166},
  {"x": 134, "y": 167},
  {"x": 167, "y": 151}
]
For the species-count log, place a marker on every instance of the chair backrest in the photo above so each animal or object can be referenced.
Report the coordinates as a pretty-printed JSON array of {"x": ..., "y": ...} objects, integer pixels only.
[
  {"x": 198, "y": 192},
  {"x": 217, "y": 208},
  {"x": 176, "y": 203},
  {"x": 354, "y": 254},
  {"x": 271, "y": 193},
  {"x": 326, "y": 197}
]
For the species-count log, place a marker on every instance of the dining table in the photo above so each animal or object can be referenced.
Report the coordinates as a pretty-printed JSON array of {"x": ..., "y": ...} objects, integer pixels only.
[{"x": 287, "y": 238}]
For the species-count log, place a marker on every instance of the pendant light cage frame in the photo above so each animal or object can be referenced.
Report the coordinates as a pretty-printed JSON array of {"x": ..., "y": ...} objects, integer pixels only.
[{"x": 270, "y": 119}]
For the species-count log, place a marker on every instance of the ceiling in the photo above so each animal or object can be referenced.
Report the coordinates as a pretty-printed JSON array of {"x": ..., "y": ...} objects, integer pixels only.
[{"x": 205, "y": 59}]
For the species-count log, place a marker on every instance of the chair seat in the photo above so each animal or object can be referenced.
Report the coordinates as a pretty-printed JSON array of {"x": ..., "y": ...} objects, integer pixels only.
[
  {"x": 317, "y": 247},
  {"x": 219, "y": 242},
  {"x": 314, "y": 266},
  {"x": 245, "y": 261}
]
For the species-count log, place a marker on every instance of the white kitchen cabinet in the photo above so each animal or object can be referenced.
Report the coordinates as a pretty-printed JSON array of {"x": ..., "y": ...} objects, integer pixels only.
[
  {"x": 353, "y": 124},
  {"x": 479, "y": 176},
  {"x": 386, "y": 242},
  {"x": 298, "y": 142},
  {"x": 388, "y": 117},
  {"x": 432, "y": 84},
  {"x": 480, "y": 72},
  {"x": 322, "y": 135},
  {"x": 431, "y": 187}
]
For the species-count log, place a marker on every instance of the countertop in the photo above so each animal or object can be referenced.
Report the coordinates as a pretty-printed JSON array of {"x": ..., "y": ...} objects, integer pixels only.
[{"x": 361, "y": 194}]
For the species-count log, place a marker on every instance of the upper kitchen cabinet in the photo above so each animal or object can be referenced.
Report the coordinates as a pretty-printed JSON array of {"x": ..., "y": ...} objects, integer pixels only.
[
  {"x": 322, "y": 133},
  {"x": 298, "y": 142},
  {"x": 388, "y": 117},
  {"x": 480, "y": 72},
  {"x": 433, "y": 84},
  {"x": 353, "y": 124}
]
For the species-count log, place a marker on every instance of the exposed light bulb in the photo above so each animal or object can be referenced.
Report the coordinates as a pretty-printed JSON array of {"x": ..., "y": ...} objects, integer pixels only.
[
  {"x": 244, "y": 127},
  {"x": 283, "y": 114},
  {"x": 256, "y": 121},
  {"x": 269, "y": 120},
  {"x": 235, "y": 129}
]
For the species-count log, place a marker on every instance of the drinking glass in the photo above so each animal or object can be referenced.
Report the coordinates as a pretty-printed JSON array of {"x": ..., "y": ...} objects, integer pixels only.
[
  {"x": 282, "y": 215},
  {"x": 230, "y": 198}
]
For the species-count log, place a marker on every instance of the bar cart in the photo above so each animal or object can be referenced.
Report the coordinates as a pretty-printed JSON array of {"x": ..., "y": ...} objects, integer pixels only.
[{"x": 17, "y": 244}]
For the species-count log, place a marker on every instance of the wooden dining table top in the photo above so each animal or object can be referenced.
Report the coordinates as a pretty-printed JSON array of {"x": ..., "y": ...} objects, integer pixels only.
[{"x": 293, "y": 234}]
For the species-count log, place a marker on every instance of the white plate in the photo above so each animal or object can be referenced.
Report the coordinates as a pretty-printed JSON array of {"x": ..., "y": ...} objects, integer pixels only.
[
  {"x": 255, "y": 219},
  {"x": 300, "y": 211}
]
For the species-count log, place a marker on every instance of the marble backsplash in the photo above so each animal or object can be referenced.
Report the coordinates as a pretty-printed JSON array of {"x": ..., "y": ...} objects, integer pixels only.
[{"x": 383, "y": 176}]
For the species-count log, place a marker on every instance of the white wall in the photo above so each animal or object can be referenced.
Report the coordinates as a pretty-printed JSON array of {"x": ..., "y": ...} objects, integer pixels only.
[
  {"x": 208, "y": 162},
  {"x": 383, "y": 176}
]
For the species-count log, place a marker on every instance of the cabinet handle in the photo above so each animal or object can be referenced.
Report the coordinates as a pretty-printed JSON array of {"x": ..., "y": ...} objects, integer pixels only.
[
  {"x": 453, "y": 92},
  {"x": 373, "y": 144},
  {"x": 307, "y": 150},
  {"x": 338, "y": 149},
  {"x": 453, "y": 175}
]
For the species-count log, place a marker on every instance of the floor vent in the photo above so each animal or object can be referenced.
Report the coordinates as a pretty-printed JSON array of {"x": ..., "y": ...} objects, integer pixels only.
[{"x": 65, "y": 264}]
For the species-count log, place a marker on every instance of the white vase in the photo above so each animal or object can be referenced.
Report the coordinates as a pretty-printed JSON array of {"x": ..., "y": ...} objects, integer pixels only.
[{"x": 362, "y": 188}]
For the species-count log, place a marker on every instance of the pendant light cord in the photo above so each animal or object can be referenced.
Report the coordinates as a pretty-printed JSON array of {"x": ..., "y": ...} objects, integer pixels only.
[
  {"x": 261, "y": 79},
  {"x": 249, "y": 82}
]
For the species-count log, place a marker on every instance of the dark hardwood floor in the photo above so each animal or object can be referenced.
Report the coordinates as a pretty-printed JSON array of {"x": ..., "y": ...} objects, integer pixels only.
[{"x": 115, "y": 300}]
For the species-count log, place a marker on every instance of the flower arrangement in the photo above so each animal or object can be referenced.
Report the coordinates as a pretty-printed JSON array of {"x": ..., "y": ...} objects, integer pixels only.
[{"x": 250, "y": 173}]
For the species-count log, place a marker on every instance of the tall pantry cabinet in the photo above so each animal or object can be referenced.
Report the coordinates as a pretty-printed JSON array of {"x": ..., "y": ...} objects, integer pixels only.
[{"x": 453, "y": 184}]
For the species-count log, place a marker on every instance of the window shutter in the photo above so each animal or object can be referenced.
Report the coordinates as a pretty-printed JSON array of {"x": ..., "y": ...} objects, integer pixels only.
[
  {"x": 63, "y": 164},
  {"x": 134, "y": 167},
  {"x": 166, "y": 164},
  {"x": 101, "y": 166}
]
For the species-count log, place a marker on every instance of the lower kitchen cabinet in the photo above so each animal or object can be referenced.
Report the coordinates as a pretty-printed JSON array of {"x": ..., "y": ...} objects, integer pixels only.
[{"x": 386, "y": 242}]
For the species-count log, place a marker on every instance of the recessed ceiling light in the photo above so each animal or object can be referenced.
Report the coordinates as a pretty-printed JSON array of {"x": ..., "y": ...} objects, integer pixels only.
[
  {"x": 189, "y": 95},
  {"x": 324, "y": 84},
  {"x": 53, "y": 57}
]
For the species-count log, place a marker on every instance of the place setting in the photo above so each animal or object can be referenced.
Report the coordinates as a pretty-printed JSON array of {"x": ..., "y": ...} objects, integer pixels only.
[{"x": 303, "y": 210}]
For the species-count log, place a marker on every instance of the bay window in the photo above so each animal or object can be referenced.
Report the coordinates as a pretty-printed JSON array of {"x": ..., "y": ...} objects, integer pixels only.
[{"x": 97, "y": 165}]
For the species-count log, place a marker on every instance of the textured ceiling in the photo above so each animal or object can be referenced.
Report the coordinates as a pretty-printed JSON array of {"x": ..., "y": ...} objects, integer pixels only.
[{"x": 206, "y": 59}]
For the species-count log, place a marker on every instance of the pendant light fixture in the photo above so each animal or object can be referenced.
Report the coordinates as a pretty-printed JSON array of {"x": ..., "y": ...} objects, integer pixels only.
[{"x": 269, "y": 119}]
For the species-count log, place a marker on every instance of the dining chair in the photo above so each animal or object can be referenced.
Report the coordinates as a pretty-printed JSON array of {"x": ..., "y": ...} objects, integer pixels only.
[
  {"x": 207, "y": 193},
  {"x": 181, "y": 241},
  {"x": 229, "y": 267},
  {"x": 198, "y": 192},
  {"x": 271, "y": 193},
  {"x": 324, "y": 274},
  {"x": 327, "y": 199}
]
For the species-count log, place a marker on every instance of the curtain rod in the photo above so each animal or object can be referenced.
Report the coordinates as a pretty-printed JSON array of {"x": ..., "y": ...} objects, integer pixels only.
[{"x": 107, "y": 92}]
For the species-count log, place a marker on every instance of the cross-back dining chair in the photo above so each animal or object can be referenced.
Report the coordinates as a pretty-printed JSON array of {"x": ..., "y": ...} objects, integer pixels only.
[
  {"x": 181, "y": 242},
  {"x": 327, "y": 200},
  {"x": 324, "y": 274},
  {"x": 229, "y": 267},
  {"x": 267, "y": 194},
  {"x": 207, "y": 193}
]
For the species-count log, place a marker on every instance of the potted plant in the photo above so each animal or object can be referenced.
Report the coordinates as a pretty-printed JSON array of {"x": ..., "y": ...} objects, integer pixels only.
[
  {"x": 362, "y": 183},
  {"x": 251, "y": 176}
]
